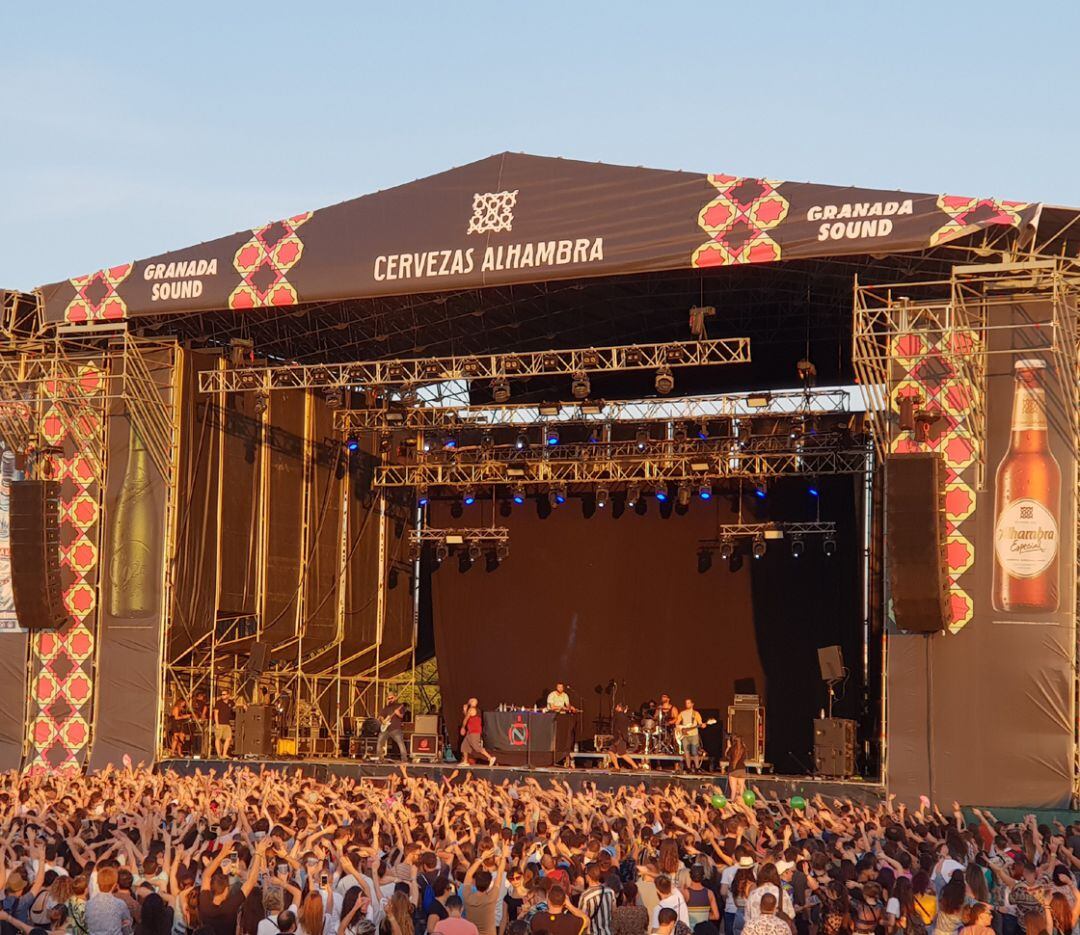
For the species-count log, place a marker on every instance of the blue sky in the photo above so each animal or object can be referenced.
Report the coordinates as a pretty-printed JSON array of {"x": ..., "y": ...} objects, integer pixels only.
[{"x": 128, "y": 129}]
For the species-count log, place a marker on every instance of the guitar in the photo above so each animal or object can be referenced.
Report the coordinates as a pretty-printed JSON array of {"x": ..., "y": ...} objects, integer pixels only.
[{"x": 680, "y": 730}]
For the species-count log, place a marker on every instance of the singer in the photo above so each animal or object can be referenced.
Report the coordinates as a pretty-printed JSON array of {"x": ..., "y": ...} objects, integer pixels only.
[{"x": 558, "y": 701}]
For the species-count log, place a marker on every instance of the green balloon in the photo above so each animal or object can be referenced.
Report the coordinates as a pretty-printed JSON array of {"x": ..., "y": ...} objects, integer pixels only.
[
  {"x": 798, "y": 802},
  {"x": 719, "y": 801},
  {"x": 749, "y": 797}
]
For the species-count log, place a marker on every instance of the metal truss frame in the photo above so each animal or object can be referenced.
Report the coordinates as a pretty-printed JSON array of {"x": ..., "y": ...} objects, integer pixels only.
[
  {"x": 419, "y": 371},
  {"x": 728, "y": 531},
  {"x": 683, "y": 409},
  {"x": 482, "y": 534}
]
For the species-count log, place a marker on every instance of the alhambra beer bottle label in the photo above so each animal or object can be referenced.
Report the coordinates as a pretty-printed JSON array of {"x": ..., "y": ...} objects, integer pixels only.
[{"x": 1026, "y": 500}]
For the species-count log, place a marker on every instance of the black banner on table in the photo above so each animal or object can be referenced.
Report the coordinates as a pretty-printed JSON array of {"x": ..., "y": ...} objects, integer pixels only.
[{"x": 519, "y": 732}]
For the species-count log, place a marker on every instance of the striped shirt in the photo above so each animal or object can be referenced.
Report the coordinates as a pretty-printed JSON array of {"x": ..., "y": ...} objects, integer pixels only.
[{"x": 598, "y": 902}]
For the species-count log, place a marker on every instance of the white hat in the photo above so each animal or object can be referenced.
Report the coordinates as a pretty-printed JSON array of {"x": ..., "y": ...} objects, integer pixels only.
[
  {"x": 746, "y": 862},
  {"x": 784, "y": 866}
]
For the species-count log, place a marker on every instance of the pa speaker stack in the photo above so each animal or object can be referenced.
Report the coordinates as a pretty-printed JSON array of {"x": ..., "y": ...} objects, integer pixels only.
[
  {"x": 35, "y": 554},
  {"x": 834, "y": 747},
  {"x": 915, "y": 541},
  {"x": 254, "y": 730}
]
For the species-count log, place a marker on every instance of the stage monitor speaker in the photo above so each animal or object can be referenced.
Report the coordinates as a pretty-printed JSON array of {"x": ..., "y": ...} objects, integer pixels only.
[
  {"x": 749, "y": 724},
  {"x": 254, "y": 726},
  {"x": 424, "y": 746},
  {"x": 427, "y": 724},
  {"x": 915, "y": 541},
  {"x": 831, "y": 662},
  {"x": 34, "y": 537}
]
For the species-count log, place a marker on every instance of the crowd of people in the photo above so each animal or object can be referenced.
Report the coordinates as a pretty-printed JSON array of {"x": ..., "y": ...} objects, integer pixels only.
[{"x": 135, "y": 852}]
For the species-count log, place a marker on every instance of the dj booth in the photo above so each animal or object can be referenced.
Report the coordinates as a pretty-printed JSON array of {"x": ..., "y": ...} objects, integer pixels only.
[{"x": 524, "y": 737}]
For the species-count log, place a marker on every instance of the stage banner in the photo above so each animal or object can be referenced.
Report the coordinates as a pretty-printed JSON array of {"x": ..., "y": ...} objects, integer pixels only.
[
  {"x": 515, "y": 218},
  {"x": 132, "y": 590},
  {"x": 519, "y": 732},
  {"x": 984, "y": 713}
]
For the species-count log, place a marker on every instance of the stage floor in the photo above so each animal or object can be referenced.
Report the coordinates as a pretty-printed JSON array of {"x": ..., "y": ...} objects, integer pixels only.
[{"x": 781, "y": 786}]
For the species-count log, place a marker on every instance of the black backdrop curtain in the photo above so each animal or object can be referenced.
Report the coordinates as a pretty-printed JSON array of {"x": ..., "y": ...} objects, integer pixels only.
[{"x": 588, "y": 600}]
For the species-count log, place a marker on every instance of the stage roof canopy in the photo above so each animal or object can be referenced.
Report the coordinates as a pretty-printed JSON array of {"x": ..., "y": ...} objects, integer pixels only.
[{"x": 514, "y": 219}]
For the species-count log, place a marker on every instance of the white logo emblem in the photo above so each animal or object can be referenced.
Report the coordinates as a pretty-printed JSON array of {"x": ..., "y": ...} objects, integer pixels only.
[
  {"x": 493, "y": 212},
  {"x": 1025, "y": 538}
]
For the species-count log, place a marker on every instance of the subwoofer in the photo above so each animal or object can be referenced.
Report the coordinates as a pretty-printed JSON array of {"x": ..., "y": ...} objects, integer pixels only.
[{"x": 35, "y": 554}]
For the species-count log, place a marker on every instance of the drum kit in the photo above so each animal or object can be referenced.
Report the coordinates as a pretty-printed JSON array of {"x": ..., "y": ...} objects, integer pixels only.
[{"x": 652, "y": 738}]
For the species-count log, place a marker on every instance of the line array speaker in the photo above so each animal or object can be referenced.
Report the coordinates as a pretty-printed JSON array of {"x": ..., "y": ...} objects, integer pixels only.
[
  {"x": 35, "y": 554},
  {"x": 915, "y": 541}
]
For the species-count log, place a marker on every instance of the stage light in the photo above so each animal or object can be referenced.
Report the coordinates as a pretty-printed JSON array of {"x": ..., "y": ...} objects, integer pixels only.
[
  {"x": 422, "y": 495},
  {"x": 662, "y": 493},
  {"x": 474, "y": 551},
  {"x": 551, "y": 436},
  {"x": 592, "y": 407},
  {"x": 683, "y": 496},
  {"x": 549, "y": 409},
  {"x": 704, "y": 561},
  {"x": 602, "y": 497},
  {"x": 469, "y": 496},
  {"x": 596, "y": 432},
  {"x": 518, "y": 493},
  {"x": 442, "y": 552},
  {"x": 633, "y": 494},
  {"x": 521, "y": 442},
  {"x": 427, "y": 444},
  {"x": 665, "y": 381},
  {"x": 758, "y": 548},
  {"x": 703, "y": 432},
  {"x": 431, "y": 368},
  {"x": 812, "y": 490},
  {"x": 502, "y": 551},
  {"x": 634, "y": 356},
  {"x": 487, "y": 441},
  {"x": 559, "y": 493},
  {"x": 580, "y": 385},
  {"x": 450, "y": 442},
  {"x": 705, "y": 491},
  {"x": 678, "y": 433},
  {"x": 760, "y": 492},
  {"x": 829, "y": 546},
  {"x": 727, "y": 549},
  {"x": 353, "y": 444},
  {"x": 333, "y": 398},
  {"x": 500, "y": 390},
  {"x": 262, "y": 402},
  {"x": 641, "y": 437},
  {"x": 796, "y": 429},
  {"x": 797, "y": 547}
]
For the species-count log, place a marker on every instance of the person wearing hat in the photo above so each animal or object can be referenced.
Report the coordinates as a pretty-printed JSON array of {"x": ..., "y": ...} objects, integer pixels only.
[
  {"x": 19, "y": 895},
  {"x": 743, "y": 861}
]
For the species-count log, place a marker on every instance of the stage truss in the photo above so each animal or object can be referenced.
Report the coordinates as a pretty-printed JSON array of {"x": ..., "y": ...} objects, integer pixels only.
[{"x": 954, "y": 316}]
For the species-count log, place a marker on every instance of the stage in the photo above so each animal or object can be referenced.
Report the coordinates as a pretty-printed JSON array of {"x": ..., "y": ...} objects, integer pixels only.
[{"x": 783, "y": 787}]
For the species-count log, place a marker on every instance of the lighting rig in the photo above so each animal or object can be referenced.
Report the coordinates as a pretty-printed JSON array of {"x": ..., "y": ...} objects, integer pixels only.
[
  {"x": 733, "y": 537},
  {"x": 490, "y": 542}
]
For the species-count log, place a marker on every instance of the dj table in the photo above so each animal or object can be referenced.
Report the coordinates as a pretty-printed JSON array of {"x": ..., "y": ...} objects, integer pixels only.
[{"x": 529, "y": 738}]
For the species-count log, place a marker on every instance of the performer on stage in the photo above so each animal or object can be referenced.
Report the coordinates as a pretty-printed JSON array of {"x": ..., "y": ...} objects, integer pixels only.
[
  {"x": 392, "y": 715},
  {"x": 472, "y": 728},
  {"x": 180, "y": 727},
  {"x": 736, "y": 758},
  {"x": 620, "y": 738},
  {"x": 688, "y": 730},
  {"x": 558, "y": 701},
  {"x": 667, "y": 713},
  {"x": 224, "y": 710}
]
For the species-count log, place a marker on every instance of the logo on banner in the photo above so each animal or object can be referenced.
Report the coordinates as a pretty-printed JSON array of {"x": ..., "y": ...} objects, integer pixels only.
[
  {"x": 518, "y": 735},
  {"x": 1026, "y": 538},
  {"x": 492, "y": 212}
]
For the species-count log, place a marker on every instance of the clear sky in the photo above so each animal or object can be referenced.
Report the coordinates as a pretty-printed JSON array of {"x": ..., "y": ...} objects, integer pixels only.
[{"x": 127, "y": 129}]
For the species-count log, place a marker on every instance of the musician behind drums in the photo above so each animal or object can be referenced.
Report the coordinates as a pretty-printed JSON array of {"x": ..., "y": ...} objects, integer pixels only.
[
  {"x": 620, "y": 738},
  {"x": 688, "y": 730},
  {"x": 667, "y": 713}
]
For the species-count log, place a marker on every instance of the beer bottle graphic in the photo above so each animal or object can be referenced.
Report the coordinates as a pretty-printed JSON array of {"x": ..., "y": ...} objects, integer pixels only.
[
  {"x": 1026, "y": 501},
  {"x": 133, "y": 588}
]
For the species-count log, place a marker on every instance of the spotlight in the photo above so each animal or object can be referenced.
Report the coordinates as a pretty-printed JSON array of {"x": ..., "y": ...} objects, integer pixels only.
[
  {"x": 807, "y": 372},
  {"x": 703, "y": 432},
  {"x": 469, "y": 496},
  {"x": 665, "y": 382},
  {"x": 704, "y": 561},
  {"x": 502, "y": 551},
  {"x": 797, "y": 547},
  {"x": 580, "y": 385},
  {"x": 633, "y": 494},
  {"x": 758, "y": 548},
  {"x": 760, "y": 492},
  {"x": 384, "y": 443},
  {"x": 521, "y": 442},
  {"x": 474, "y": 551},
  {"x": 727, "y": 549},
  {"x": 705, "y": 491},
  {"x": 683, "y": 496},
  {"x": 422, "y": 495},
  {"x": 829, "y": 546},
  {"x": 262, "y": 402},
  {"x": 559, "y": 493},
  {"x": 352, "y": 443},
  {"x": 662, "y": 493},
  {"x": 427, "y": 444},
  {"x": 634, "y": 356},
  {"x": 596, "y": 432},
  {"x": 796, "y": 429},
  {"x": 450, "y": 442},
  {"x": 602, "y": 497},
  {"x": 333, "y": 398},
  {"x": 812, "y": 490},
  {"x": 500, "y": 390},
  {"x": 518, "y": 493},
  {"x": 551, "y": 436},
  {"x": 641, "y": 437},
  {"x": 442, "y": 552},
  {"x": 487, "y": 441}
]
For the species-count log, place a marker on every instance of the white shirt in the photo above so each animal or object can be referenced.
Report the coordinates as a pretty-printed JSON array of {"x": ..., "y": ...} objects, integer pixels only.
[
  {"x": 557, "y": 699},
  {"x": 268, "y": 926},
  {"x": 672, "y": 901},
  {"x": 727, "y": 877},
  {"x": 753, "y": 901}
]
